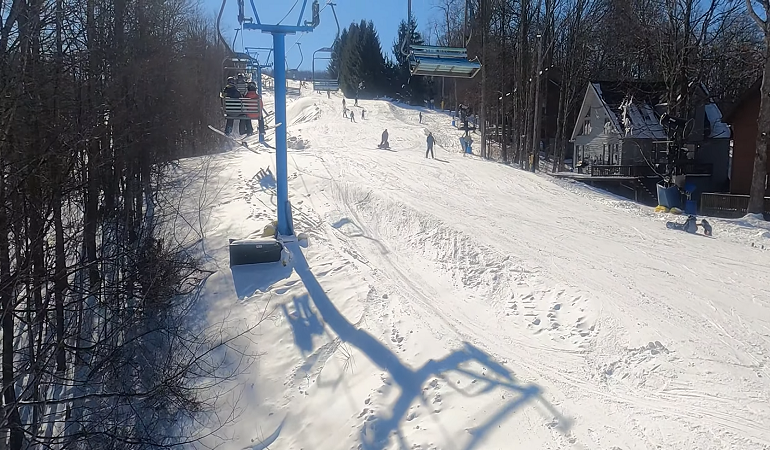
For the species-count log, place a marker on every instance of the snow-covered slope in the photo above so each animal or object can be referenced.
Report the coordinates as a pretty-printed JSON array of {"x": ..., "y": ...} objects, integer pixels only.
[{"x": 460, "y": 304}]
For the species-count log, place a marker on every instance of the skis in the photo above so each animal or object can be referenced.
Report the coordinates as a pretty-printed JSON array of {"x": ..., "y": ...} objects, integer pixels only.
[{"x": 240, "y": 142}]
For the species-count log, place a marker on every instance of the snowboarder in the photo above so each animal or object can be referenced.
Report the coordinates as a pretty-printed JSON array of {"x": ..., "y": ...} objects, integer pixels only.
[
  {"x": 431, "y": 140},
  {"x": 691, "y": 225},
  {"x": 384, "y": 142}
]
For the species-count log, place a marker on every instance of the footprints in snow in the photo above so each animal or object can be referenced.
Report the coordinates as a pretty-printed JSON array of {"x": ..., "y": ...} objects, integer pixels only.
[
  {"x": 561, "y": 320},
  {"x": 397, "y": 339},
  {"x": 642, "y": 366}
]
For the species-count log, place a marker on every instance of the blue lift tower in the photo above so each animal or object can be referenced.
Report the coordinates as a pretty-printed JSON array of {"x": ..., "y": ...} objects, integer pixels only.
[{"x": 279, "y": 32}]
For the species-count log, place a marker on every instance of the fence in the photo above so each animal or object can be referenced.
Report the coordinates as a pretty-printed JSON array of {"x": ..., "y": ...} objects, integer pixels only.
[
  {"x": 728, "y": 206},
  {"x": 602, "y": 170}
]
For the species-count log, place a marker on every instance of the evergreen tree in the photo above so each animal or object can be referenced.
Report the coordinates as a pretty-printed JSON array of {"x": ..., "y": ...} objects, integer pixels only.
[
  {"x": 358, "y": 59},
  {"x": 410, "y": 88}
]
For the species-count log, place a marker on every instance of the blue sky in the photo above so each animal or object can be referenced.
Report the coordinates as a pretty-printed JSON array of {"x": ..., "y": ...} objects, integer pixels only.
[{"x": 386, "y": 15}]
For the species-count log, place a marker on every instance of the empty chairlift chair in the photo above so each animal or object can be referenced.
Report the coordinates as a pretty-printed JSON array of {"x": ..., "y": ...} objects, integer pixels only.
[
  {"x": 322, "y": 82},
  {"x": 429, "y": 60}
]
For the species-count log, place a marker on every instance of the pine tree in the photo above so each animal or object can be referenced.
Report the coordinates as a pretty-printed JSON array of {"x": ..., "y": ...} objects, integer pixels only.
[
  {"x": 358, "y": 59},
  {"x": 412, "y": 89}
]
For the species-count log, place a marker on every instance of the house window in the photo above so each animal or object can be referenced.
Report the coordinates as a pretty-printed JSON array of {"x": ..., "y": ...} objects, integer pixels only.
[{"x": 587, "y": 127}]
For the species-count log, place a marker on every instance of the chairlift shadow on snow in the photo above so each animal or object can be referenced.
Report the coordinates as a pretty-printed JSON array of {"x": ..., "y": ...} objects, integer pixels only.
[
  {"x": 376, "y": 433},
  {"x": 266, "y": 179},
  {"x": 358, "y": 232},
  {"x": 304, "y": 323},
  {"x": 251, "y": 278}
]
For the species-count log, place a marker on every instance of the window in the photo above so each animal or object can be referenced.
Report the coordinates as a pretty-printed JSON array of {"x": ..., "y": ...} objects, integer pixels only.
[{"x": 587, "y": 127}]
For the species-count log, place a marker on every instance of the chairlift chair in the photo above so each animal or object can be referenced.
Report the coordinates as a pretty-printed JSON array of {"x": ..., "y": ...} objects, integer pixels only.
[
  {"x": 293, "y": 74},
  {"x": 439, "y": 61},
  {"x": 450, "y": 62},
  {"x": 323, "y": 83}
]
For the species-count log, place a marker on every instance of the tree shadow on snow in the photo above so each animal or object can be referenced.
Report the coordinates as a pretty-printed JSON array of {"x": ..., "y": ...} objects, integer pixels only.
[
  {"x": 441, "y": 160},
  {"x": 376, "y": 433},
  {"x": 251, "y": 278},
  {"x": 304, "y": 323}
]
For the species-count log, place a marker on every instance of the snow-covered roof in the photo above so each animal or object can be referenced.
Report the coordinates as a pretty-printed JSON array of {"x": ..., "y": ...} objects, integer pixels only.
[
  {"x": 640, "y": 121},
  {"x": 631, "y": 108}
]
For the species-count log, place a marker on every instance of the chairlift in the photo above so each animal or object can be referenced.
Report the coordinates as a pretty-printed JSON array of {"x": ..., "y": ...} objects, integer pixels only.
[
  {"x": 293, "y": 74},
  {"x": 322, "y": 82},
  {"x": 269, "y": 248},
  {"x": 440, "y": 61},
  {"x": 258, "y": 63}
]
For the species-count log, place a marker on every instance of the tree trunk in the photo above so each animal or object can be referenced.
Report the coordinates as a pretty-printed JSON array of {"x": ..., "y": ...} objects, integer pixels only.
[
  {"x": 13, "y": 418},
  {"x": 759, "y": 177},
  {"x": 484, "y": 69}
]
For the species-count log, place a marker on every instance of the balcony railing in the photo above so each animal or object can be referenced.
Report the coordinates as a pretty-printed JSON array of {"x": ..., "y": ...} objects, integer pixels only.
[
  {"x": 637, "y": 171},
  {"x": 728, "y": 206}
]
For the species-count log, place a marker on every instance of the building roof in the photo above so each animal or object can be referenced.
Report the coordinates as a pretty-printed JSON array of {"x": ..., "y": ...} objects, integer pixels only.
[{"x": 632, "y": 108}]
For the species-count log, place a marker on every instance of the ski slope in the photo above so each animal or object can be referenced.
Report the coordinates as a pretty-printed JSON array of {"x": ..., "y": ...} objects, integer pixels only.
[{"x": 457, "y": 303}]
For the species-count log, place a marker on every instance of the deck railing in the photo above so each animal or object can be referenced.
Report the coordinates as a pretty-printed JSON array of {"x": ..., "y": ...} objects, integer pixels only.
[{"x": 728, "y": 206}]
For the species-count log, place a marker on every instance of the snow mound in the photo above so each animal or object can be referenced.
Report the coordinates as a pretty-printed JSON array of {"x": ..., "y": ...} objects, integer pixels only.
[{"x": 302, "y": 110}]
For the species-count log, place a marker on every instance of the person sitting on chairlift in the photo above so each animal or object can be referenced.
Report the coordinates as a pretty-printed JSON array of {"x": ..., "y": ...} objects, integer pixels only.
[
  {"x": 230, "y": 91},
  {"x": 248, "y": 129}
]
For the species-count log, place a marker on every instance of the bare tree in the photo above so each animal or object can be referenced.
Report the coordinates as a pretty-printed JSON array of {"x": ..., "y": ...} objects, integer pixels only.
[{"x": 759, "y": 176}]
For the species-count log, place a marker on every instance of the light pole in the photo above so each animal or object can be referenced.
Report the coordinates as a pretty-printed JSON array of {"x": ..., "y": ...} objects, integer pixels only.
[{"x": 536, "y": 121}]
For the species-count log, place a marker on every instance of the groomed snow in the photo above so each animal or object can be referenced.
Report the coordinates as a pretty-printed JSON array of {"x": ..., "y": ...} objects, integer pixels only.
[{"x": 457, "y": 303}]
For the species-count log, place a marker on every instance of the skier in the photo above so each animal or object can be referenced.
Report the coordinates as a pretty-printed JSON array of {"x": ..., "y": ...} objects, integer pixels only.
[
  {"x": 384, "y": 143},
  {"x": 363, "y": 113},
  {"x": 420, "y": 116},
  {"x": 230, "y": 91},
  {"x": 352, "y": 116},
  {"x": 431, "y": 140},
  {"x": 343, "y": 103},
  {"x": 345, "y": 113}
]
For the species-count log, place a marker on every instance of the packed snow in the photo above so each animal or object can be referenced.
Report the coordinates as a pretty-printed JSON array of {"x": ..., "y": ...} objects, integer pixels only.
[{"x": 457, "y": 303}]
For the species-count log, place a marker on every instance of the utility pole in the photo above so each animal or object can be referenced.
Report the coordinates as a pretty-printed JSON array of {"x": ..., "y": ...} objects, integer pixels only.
[
  {"x": 538, "y": 112},
  {"x": 484, "y": 38}
]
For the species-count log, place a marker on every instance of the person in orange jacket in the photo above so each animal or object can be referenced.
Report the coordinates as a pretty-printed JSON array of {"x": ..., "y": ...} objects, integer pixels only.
[{"x": 251, "y": 92}]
